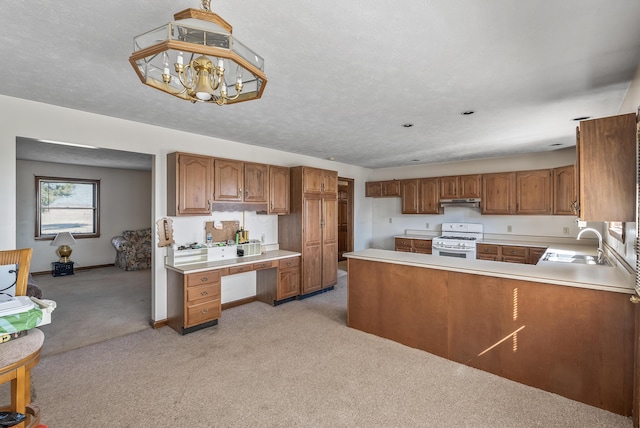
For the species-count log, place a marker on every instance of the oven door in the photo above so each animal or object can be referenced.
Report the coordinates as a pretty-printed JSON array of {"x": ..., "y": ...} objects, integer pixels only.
[{"x": 460, "y": 253}]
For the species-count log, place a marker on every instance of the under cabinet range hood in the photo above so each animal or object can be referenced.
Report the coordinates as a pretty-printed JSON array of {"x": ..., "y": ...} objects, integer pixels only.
[{"x": 468, "y": 202}]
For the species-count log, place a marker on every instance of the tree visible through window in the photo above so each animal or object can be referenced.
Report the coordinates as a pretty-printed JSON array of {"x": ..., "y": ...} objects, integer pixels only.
[{"x": 67, "y": 205}]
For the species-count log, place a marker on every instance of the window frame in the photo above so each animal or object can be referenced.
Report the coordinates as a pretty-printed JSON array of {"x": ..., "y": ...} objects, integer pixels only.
[
  {"x": 38, "y": 235},
  {"x": 617, "y": 230}
]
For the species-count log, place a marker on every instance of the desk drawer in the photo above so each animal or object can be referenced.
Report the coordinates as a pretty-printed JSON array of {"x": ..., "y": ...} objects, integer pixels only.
[
  {"x": 203, "y": 312},
  {"x": 203, "y": 292},
  {"x": 239, "y": 269},
  {"x": 262, "y": 265},
  {"x": 287, "y": 263},
  {"x": 208, "y": 277}
]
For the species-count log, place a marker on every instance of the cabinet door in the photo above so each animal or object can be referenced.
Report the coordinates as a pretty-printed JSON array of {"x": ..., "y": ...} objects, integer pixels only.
[
  {"x": 409, "y": 195},
  {"x": 498, "y": 193},
  {"x": 330, "y": 182},
  {"x": 405, "y": 245},
  {"x": 229, "y": 180},
  {"x": 563, "y": 190},
  {"x": 279, "y": 185},
  {"x": 422, "y": 246},
  {"x": 312, "y": 248},
  {"x": 534, "y": 255},
  {"x": 533, "y": 192},
  {"x": 469, "y": 186},
  {"x": 289, "y": 283},
  {"x": 428, "y": 196},
  {"x": 256, "y": 182},
  {"x": 575, "y": 206},
  {"x": 608, "y": 168},
  {"x": 448, "y": 187},
  {"x": 390, "y": 188},
  {"x": 193, "y": 184},
  {"x": 329, "y": 242},
  {"x": 373, "y": 189}
]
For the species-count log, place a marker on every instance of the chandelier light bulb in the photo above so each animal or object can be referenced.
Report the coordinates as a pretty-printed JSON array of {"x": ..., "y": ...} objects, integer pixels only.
[{"x": 180, "y": 59}]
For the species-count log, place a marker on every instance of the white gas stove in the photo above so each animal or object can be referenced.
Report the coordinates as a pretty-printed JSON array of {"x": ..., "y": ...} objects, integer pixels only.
[{"x": 458, "y": 240}]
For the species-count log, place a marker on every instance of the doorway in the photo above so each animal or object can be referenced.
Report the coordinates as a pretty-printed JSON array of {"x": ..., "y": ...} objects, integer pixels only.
[{"x": 345, "y": 216}]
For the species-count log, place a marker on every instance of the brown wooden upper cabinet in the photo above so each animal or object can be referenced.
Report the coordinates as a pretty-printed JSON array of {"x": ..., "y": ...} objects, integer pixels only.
[
  {"x": 237, "y": 181},
  {"x": 564, "y": 193},
  {"x": 189, "y": 184},
  {"x": 606, "y": 168},
  {"x": 521, "y": 192},
  {"x": 279, "y": 185},
  {"x": 317, "y": 180},
  {"x": 460, "y": 186},
  {"x": 420, "y": 196},
  {"x": 533, "y": 192},
  {"x": 382, "y": 189}
]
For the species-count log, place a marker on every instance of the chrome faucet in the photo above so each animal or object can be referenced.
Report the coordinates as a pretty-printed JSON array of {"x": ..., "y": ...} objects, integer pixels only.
[{"x": 588, "y": 229}]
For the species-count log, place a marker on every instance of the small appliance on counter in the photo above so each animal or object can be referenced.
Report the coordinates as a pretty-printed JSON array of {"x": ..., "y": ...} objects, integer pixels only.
[{"x": 458, "y": 240}]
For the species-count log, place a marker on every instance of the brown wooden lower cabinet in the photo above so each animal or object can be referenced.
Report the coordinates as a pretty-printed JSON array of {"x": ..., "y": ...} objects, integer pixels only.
[
  {"x": 422, "y": 246},
  {"x": 574, "y": 342},
  {"x": 509, "y": 253}
]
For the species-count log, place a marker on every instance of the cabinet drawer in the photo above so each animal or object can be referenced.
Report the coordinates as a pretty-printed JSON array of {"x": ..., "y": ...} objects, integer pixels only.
[
  {"x": 240, "y": 269},
  {"x": 514, "y": 251},
  {"x": 208, "y": 277},
  {"x": 287, "y": 263},
  {"x": 401, "y": 242},
  {"x": 203, "y": 312},
  {"x": 200, "y": 292},
  {"x": 421, "y": 243},
  {"x": 514, "y": 259},
  {"x": 262, "y": 265},
  {"x": 487, "y": 249}
]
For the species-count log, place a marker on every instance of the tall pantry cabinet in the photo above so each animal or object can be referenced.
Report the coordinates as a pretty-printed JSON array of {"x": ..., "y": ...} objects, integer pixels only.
[{"x": 311, "y": 227}]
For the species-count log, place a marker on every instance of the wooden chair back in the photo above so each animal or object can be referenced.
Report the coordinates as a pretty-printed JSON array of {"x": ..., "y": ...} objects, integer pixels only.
[{"x": 22, "y": 258}]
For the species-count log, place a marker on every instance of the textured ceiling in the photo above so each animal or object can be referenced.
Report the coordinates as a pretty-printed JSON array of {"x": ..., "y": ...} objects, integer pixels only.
[{"x": 343, "y": 77}]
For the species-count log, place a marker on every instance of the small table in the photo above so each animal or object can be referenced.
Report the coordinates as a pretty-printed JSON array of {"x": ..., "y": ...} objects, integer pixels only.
[
  {"x": 17, "y": 358},
  {"x": 62, "y": 268}
]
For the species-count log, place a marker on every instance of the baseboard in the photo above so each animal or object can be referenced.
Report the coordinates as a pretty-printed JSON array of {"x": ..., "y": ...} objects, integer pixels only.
[
  {"x": 239, "y": 302},
  {"x": 158, "y": 324},
  {"x": 75, "y": 269}
]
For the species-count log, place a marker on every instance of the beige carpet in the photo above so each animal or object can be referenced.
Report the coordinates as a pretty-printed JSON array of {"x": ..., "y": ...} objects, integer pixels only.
[
  {"x": 294, "y": 365},
  {"x": 95, "y": 305}
]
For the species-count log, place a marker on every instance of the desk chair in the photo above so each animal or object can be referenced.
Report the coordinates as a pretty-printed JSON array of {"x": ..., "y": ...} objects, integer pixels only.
[
  {"x": 23, "y": 259},
  {"x": 19, "y": 356}
]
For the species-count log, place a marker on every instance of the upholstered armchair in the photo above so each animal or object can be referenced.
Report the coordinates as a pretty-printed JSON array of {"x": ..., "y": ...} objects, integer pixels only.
[{"x": 133, "y": 249}]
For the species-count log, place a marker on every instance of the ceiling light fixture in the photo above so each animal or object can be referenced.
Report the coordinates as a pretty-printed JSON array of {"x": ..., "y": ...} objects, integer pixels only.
[
  {"x": 197, "y": 59},
  {"x": 467, "y": 113}
]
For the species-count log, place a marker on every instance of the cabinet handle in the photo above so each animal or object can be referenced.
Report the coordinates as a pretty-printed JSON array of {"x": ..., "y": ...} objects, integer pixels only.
[
  {"x": 204, "y": 293},
  {"x": 288, "y": 263},
  {"x": 208, "y": 204},
  {"x": 205, "y": 279},
  {"x": 246, "y": 192},
  {"x": 204, "y": 311}
]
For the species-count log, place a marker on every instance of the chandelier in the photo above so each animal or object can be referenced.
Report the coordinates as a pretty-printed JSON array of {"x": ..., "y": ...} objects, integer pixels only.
[{"x": 197, "y": 59}]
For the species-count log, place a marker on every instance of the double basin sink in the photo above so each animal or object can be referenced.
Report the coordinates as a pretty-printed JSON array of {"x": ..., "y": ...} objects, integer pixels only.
[{"x": 576, "y": 259}]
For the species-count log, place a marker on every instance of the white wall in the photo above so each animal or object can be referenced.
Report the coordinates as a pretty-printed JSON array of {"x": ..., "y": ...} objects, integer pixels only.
[
  {"x": 125, "y": 203},
  {"x": 22, "y": 118}
]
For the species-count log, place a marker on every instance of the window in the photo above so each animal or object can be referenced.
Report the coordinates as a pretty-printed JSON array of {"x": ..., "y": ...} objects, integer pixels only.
[
  {"x": 67, "y": 205},
  {"x": 616, "y": 229}
]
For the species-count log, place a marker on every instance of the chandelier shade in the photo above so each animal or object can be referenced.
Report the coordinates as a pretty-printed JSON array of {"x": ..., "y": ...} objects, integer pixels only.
[{"x": 196, "y": 58}]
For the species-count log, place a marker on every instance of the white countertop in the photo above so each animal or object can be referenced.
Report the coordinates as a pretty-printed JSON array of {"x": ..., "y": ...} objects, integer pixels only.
[
  {"x": 236, "y": 261},
  {"x": 607, "y": 278}
]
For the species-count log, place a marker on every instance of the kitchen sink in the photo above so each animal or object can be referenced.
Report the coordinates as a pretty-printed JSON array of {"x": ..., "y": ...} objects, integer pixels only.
[{"x": 580, "y": 259}]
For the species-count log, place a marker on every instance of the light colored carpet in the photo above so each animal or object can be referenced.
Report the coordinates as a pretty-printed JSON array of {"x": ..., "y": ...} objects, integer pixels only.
[
  {"x": 294, "y": 365},
  {"x": 95, "y": 305}
]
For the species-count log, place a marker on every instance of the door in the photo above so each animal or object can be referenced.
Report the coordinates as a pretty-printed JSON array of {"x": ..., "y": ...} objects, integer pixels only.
[
  {"x": 329, "y": 242},
  {"x": 345, "y": 218}
]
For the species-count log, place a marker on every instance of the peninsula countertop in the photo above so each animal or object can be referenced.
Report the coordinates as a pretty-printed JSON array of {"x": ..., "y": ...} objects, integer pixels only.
[
  {"x": 607, "y": 278},
  {"x": 232, "y": 262}
]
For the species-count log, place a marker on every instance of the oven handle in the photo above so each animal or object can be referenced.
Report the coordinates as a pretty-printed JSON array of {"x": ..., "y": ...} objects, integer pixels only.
[{"x": 462, "y": 250}]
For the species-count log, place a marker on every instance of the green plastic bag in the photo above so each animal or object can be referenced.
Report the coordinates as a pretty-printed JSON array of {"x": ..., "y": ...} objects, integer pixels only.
[{"x": 22, "y": 321}]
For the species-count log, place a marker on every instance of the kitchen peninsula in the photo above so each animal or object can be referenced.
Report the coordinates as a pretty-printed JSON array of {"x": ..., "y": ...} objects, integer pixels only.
[{"x": 559, "y": 327}]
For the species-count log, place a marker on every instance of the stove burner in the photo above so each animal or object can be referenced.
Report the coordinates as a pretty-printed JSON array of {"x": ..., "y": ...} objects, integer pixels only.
[{"x": 463, "y": 238}]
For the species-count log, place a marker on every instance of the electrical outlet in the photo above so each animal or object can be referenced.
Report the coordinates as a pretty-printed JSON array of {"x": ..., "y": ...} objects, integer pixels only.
[
  {"x": 390, "y": 220},
  {"x": 427, "y": 225},
  {"x": 509, "y": 228},
  {"x": 565, "y": 230}
]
